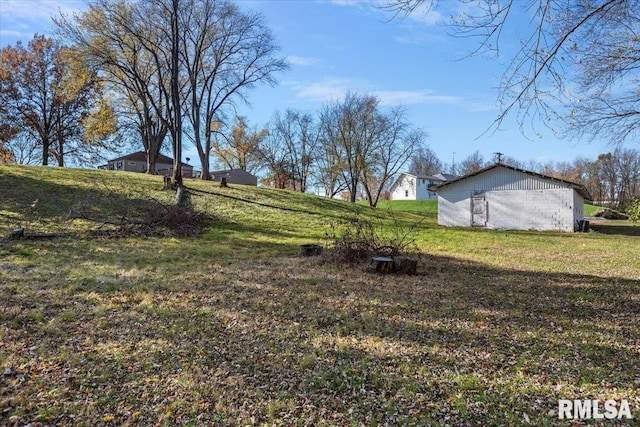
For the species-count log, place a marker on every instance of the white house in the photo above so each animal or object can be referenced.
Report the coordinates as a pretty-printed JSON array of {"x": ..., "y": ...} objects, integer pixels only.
[
  {"x": 416, "y": 187},
  {"x": 506, "y": 197}
]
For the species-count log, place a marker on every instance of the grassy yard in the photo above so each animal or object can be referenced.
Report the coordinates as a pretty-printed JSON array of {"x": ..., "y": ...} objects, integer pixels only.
[{"x": 234, "y": 327}]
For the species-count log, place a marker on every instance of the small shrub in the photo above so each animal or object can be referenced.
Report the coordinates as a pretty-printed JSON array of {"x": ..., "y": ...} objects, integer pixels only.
[
  {"x": 357, "y": 239},
  {"x": 352, "y": 240}
]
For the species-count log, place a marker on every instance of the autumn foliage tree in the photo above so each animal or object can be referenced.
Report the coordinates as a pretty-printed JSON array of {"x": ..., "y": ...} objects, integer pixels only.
[
  {"x": 241, "y": 149},
  {"x": 111, "y": 37},
  {"x": 6, "y": 156},
  {"x": 52, "y": 101}
]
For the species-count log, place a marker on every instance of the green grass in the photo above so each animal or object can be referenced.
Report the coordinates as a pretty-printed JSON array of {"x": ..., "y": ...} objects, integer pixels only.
[
  {"x": 420, "y": 206},
  {"x": 591, "y": 210},
  {"x": 234, "y": 327}
]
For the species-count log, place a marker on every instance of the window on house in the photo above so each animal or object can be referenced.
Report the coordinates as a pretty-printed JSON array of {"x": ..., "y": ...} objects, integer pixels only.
[
  {"x": 119, "y": 164},
  {"x": 423, "y": 181}
]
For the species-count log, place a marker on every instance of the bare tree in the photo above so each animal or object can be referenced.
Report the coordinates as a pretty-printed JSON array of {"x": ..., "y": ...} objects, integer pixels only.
[
  {"x": 225, "y": 52},
  {"x": 330, "y": 167},
  {"x": 274, "y": 156},
  {"x": 293, "y": 148},
  {"x": 350, "y": 129},
  {"x": 365, "y": 146},
  {"x": 396, "y": 144},
  {"x": 425, "y": 162},
  {"x": 511, "y": 161},
  {"x": 177, "y": 57},
  {"x": 472, "y": 163},
  {"x": 576, "y": 69}
]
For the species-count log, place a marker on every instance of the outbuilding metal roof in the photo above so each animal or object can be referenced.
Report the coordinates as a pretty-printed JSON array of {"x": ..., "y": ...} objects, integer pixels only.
[{"x": 581, "y": 189}]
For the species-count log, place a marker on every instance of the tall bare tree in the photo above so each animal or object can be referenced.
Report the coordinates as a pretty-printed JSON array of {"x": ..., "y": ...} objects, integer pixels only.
[
  {"x": 366, "y": 145},
  {"x": 195, "y": 58},
  {"x": 425, "y": 162},
  {"x": 397, "y": 143},
  {"x": 292, "y": 149},
  {"x": 348, "y": 129},
  {"x": 225, "y": 52}
]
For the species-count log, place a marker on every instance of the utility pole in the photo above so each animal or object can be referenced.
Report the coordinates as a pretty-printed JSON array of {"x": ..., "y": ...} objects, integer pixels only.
[{"x": 499, "y": 157}]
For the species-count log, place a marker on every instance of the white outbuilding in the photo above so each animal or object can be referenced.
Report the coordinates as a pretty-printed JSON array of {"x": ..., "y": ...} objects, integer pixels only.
[{"x": 510, "y": 198}]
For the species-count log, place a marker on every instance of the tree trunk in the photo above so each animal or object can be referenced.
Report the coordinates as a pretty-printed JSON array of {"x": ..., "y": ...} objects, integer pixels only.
[
  {"x": 60, "y": 156},
  {"x": 151, "y": 165},
  {"x": 204, "y": 161},
  {"x": 45, "y": 151},
  {"x": 181, "y": 197},
  {"x": 372, "y": 202},
  {"x": 176, "y": 132},
  {"x": 353, "y": 190}
]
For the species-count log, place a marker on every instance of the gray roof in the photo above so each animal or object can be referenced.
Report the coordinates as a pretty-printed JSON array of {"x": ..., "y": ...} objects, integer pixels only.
[
  {"x": 141, "y": 156},
  {"x": 581, "y": 189}
]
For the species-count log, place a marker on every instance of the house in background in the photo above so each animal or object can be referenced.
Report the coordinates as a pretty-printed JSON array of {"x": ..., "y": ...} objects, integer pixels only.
[
  {"x": 235, "y": 176},
  {"x": 506, "y": 197},
  {"x": 416, "y": 187},
  {"x": 137, "y": 162}
]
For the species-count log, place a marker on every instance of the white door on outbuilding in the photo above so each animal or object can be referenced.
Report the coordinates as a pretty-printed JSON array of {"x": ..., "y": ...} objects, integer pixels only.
[{"x": 478, "y": 210}]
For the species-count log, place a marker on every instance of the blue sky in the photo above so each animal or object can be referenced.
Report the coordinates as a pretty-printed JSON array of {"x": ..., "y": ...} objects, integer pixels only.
[{"x": 339, "y": 46}]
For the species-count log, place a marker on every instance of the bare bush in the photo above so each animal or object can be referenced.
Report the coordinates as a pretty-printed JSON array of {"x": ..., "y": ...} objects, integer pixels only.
[{"x": 356, "y": 239}]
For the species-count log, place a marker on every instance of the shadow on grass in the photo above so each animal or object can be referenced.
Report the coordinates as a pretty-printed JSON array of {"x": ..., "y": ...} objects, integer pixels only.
[
  {"x": 566, "y": 328},
  {"x": 50, "y": 202},
  {"x": 287, "y": 199},
  {"x": 622, "y": 228},
  {"x": 283, "y": 340}
]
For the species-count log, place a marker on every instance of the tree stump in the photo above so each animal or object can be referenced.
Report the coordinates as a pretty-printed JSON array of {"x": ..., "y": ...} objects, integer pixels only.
[
  {"x": 17, "y": 234},
  {"x": 404, "y": 264},
  {"x": 223, "y": 182},
  {"x": 383, "y": 264},
  {"x": 167, "y": 183},
  {"x": 310, "y": 249}
]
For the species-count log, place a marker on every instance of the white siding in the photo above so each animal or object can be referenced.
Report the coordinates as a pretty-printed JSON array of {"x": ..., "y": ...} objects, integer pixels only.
[
  {"x": 411, "y": 187},
  {"x": 423, "y": 192},
  {"x": 405, "y": 188},
  {"x": 578, "y": 207},
  {"x": 514, "y": 200}
]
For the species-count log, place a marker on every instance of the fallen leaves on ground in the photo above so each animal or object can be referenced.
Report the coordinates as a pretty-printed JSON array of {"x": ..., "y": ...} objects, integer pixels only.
[{"x": 298, "y": 341}]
